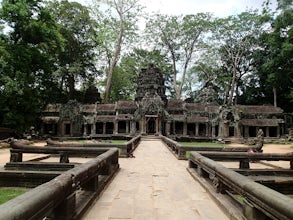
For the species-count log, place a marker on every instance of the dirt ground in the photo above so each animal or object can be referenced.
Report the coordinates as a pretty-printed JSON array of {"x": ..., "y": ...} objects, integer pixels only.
[{"x": 268, "y": 148}]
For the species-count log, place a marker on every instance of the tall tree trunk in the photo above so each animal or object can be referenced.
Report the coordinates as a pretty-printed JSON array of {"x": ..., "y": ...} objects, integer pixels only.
[
  {"x": 275, "y": 96},
  {"x": 114, "y": 62},
  {"x": 71, "y": 86},
  {"x": 232, "y": 90}
]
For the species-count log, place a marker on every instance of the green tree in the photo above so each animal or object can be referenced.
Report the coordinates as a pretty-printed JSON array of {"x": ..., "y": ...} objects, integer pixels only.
[
  {"x": 29, "y": 44},
  {"x": 235, "y": 37},
  {"x": 277, "y": 68},
  {"x": 76, "y": 62},
  {"x": 180, "y": 37},
  {"x": 118, "y": 26},
  {"x": 125, "y": 74}
]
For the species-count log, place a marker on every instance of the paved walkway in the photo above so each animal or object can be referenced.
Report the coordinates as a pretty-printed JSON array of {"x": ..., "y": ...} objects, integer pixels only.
[{"x": 154, "y": 186}]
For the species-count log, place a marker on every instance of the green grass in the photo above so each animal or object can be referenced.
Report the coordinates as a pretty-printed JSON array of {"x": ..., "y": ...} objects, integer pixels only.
[
  {"x": 7, "y": 194},
  {"x": 202, "y": 144},
  {"x": 119, "y": 141},
  {"x": 102, "y": 141}
]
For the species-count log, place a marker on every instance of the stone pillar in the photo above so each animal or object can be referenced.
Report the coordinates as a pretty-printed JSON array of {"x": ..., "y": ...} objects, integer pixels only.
[
  {"x": 104, "y": 127},
  {"x": 133, "y": 127},
  {"x": 278, "y": 131},
  {"x": 84, "y": 129},
  {"x": 168, "y": 127},
  {"x": 157, "y": 125},
  {"x": 237, "y": 130},
  {"x": 213, "y": 131},
  {"x": 207, "y": 130},
  {"x": 196, "y": 129},
  {"x": 93, "y": 129},
  {"x": 115, "y": 130},
  {"x": 127, "y": 126},
  {"x": 174, "y": 127},
  {"x": 184, "y": 128},
  {"x": 267, "y": 131},
  {"x": 142, "y": 123}
]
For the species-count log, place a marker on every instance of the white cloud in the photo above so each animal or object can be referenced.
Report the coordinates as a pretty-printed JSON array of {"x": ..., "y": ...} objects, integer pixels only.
[{"x": 218, "y": 7}]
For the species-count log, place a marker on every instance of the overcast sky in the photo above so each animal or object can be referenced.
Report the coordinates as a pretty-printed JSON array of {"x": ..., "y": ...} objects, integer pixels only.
[{"x": 220, "y": 8}]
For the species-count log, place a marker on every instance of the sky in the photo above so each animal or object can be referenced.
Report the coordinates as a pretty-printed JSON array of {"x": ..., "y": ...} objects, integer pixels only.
[{"x": 219, "y": 8}]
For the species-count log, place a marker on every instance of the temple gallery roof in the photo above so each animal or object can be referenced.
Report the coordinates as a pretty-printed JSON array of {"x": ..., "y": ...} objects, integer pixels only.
[
  {"x": 259, "y": 109},
  {"x": 262, "y": 122},
  {"x": 106, "y": 107}
]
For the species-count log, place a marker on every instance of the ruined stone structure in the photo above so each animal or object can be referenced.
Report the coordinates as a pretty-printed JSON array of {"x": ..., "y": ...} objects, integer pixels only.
[{"x": 152, "y": 113}]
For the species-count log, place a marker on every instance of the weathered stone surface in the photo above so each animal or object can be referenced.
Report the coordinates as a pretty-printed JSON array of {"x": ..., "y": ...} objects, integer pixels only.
[{"x": 155, "y": 185}]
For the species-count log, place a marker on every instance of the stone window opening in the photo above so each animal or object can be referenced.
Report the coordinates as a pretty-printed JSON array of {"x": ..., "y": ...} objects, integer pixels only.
[
  {"x": 109, "y": 127},
  {"x": 122, "y": 127},
  {"x": 191, "y": 129},
  {"x": 179, "y": 127},
  {"x": 202, "y": 129},
  {"x": 99, "y": 128}
]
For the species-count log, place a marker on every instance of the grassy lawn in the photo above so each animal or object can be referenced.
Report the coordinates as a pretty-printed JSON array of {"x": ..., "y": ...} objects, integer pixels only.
[
  {"x": 202, "y": 144},
  {"x": 7, "y": 194},
  {"x": 102, "y": 141},
  {"x": 119, "y": 141}
]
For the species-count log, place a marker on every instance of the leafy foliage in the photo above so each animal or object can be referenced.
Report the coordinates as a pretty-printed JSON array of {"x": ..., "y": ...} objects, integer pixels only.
[{"x": 27, "y": 61}]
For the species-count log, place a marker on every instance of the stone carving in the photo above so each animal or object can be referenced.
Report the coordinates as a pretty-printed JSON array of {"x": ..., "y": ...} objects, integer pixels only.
[
  {"x": 150, "y": 82},
  {"x": 260, "y": 138}
]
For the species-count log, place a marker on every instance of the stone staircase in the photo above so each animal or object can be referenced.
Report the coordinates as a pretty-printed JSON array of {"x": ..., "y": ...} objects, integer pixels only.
[{"x": 150, "y": 138}]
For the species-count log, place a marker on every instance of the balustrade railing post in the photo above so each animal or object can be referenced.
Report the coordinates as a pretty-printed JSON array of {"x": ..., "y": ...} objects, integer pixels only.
[
  {"x": 15, "y": 157},
  {"x": 65, "y": 210}
]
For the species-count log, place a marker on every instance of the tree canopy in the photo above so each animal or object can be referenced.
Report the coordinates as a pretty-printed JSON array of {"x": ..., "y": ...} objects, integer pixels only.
[{"x": 54, "y": 51}]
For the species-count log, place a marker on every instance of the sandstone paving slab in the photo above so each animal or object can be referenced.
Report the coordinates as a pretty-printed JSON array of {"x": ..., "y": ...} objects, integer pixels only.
[{"x": 154, "y": 185}]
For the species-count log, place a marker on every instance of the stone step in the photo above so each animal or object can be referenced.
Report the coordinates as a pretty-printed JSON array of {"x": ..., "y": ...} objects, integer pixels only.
[{"x": 150, "y": 138}]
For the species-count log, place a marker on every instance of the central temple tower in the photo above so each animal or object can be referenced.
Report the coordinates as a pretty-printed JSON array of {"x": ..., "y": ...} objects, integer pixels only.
[{"x": 151, "y": 99}]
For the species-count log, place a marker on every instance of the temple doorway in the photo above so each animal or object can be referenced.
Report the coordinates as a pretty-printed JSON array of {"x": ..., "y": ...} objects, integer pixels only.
[{"x": 151, "y": 125}]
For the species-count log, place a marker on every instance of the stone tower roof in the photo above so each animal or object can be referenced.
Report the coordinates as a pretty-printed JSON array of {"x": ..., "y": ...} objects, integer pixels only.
[{"x": 150, "y": 82}]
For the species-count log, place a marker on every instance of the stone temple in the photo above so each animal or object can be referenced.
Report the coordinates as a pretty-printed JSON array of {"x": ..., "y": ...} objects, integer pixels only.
[{"x": 151, "y": 113}]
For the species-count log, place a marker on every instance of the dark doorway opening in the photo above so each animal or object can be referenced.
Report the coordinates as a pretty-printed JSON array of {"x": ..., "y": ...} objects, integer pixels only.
[
  {"x": 151, "y": 126},
  {"x": 231, "y": 131},
  {"x": 67, "y": 129},
  {"x": 122, "y": 127},
  {"x": 191, "y": 129},
  {"x": 88, "y": 129},
  {"x": 99, "y": 128},
  {"x": 109, "y": 127},
  {"x": 179, "y": 127},
  {"x": 273, "y": 131}
]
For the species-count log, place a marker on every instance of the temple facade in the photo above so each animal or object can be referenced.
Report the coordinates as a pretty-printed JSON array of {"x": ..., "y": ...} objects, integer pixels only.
[{"x": 151, "y": 113}]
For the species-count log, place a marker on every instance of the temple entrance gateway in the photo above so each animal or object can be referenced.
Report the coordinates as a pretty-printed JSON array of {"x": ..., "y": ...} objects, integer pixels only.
[{"x": 151, "y": 124}]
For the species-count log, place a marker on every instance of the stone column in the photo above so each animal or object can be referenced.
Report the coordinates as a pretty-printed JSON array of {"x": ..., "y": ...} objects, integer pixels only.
[
  {"x": 168, "y": 127},
  {"x": 196, "y": 129},
  {"x": 93, "y": 129},
  {"x": 184, "y": 128},
  {"x": 84, "y": 129},
  {"x": 104, "y": 127},
  {"x": 115, "y": 131},
  {"x": 246, "y": 131},
  {"x": 213, "y": 131},
  {"x": 127, "y": 126},
  {"x": 267, "y": 131},
  {"x": 133, "y": 127},
  {"x": 157, "y": 125},
  {"x": 142, "y": 125},
  {"x": 207, "y": 129}
]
